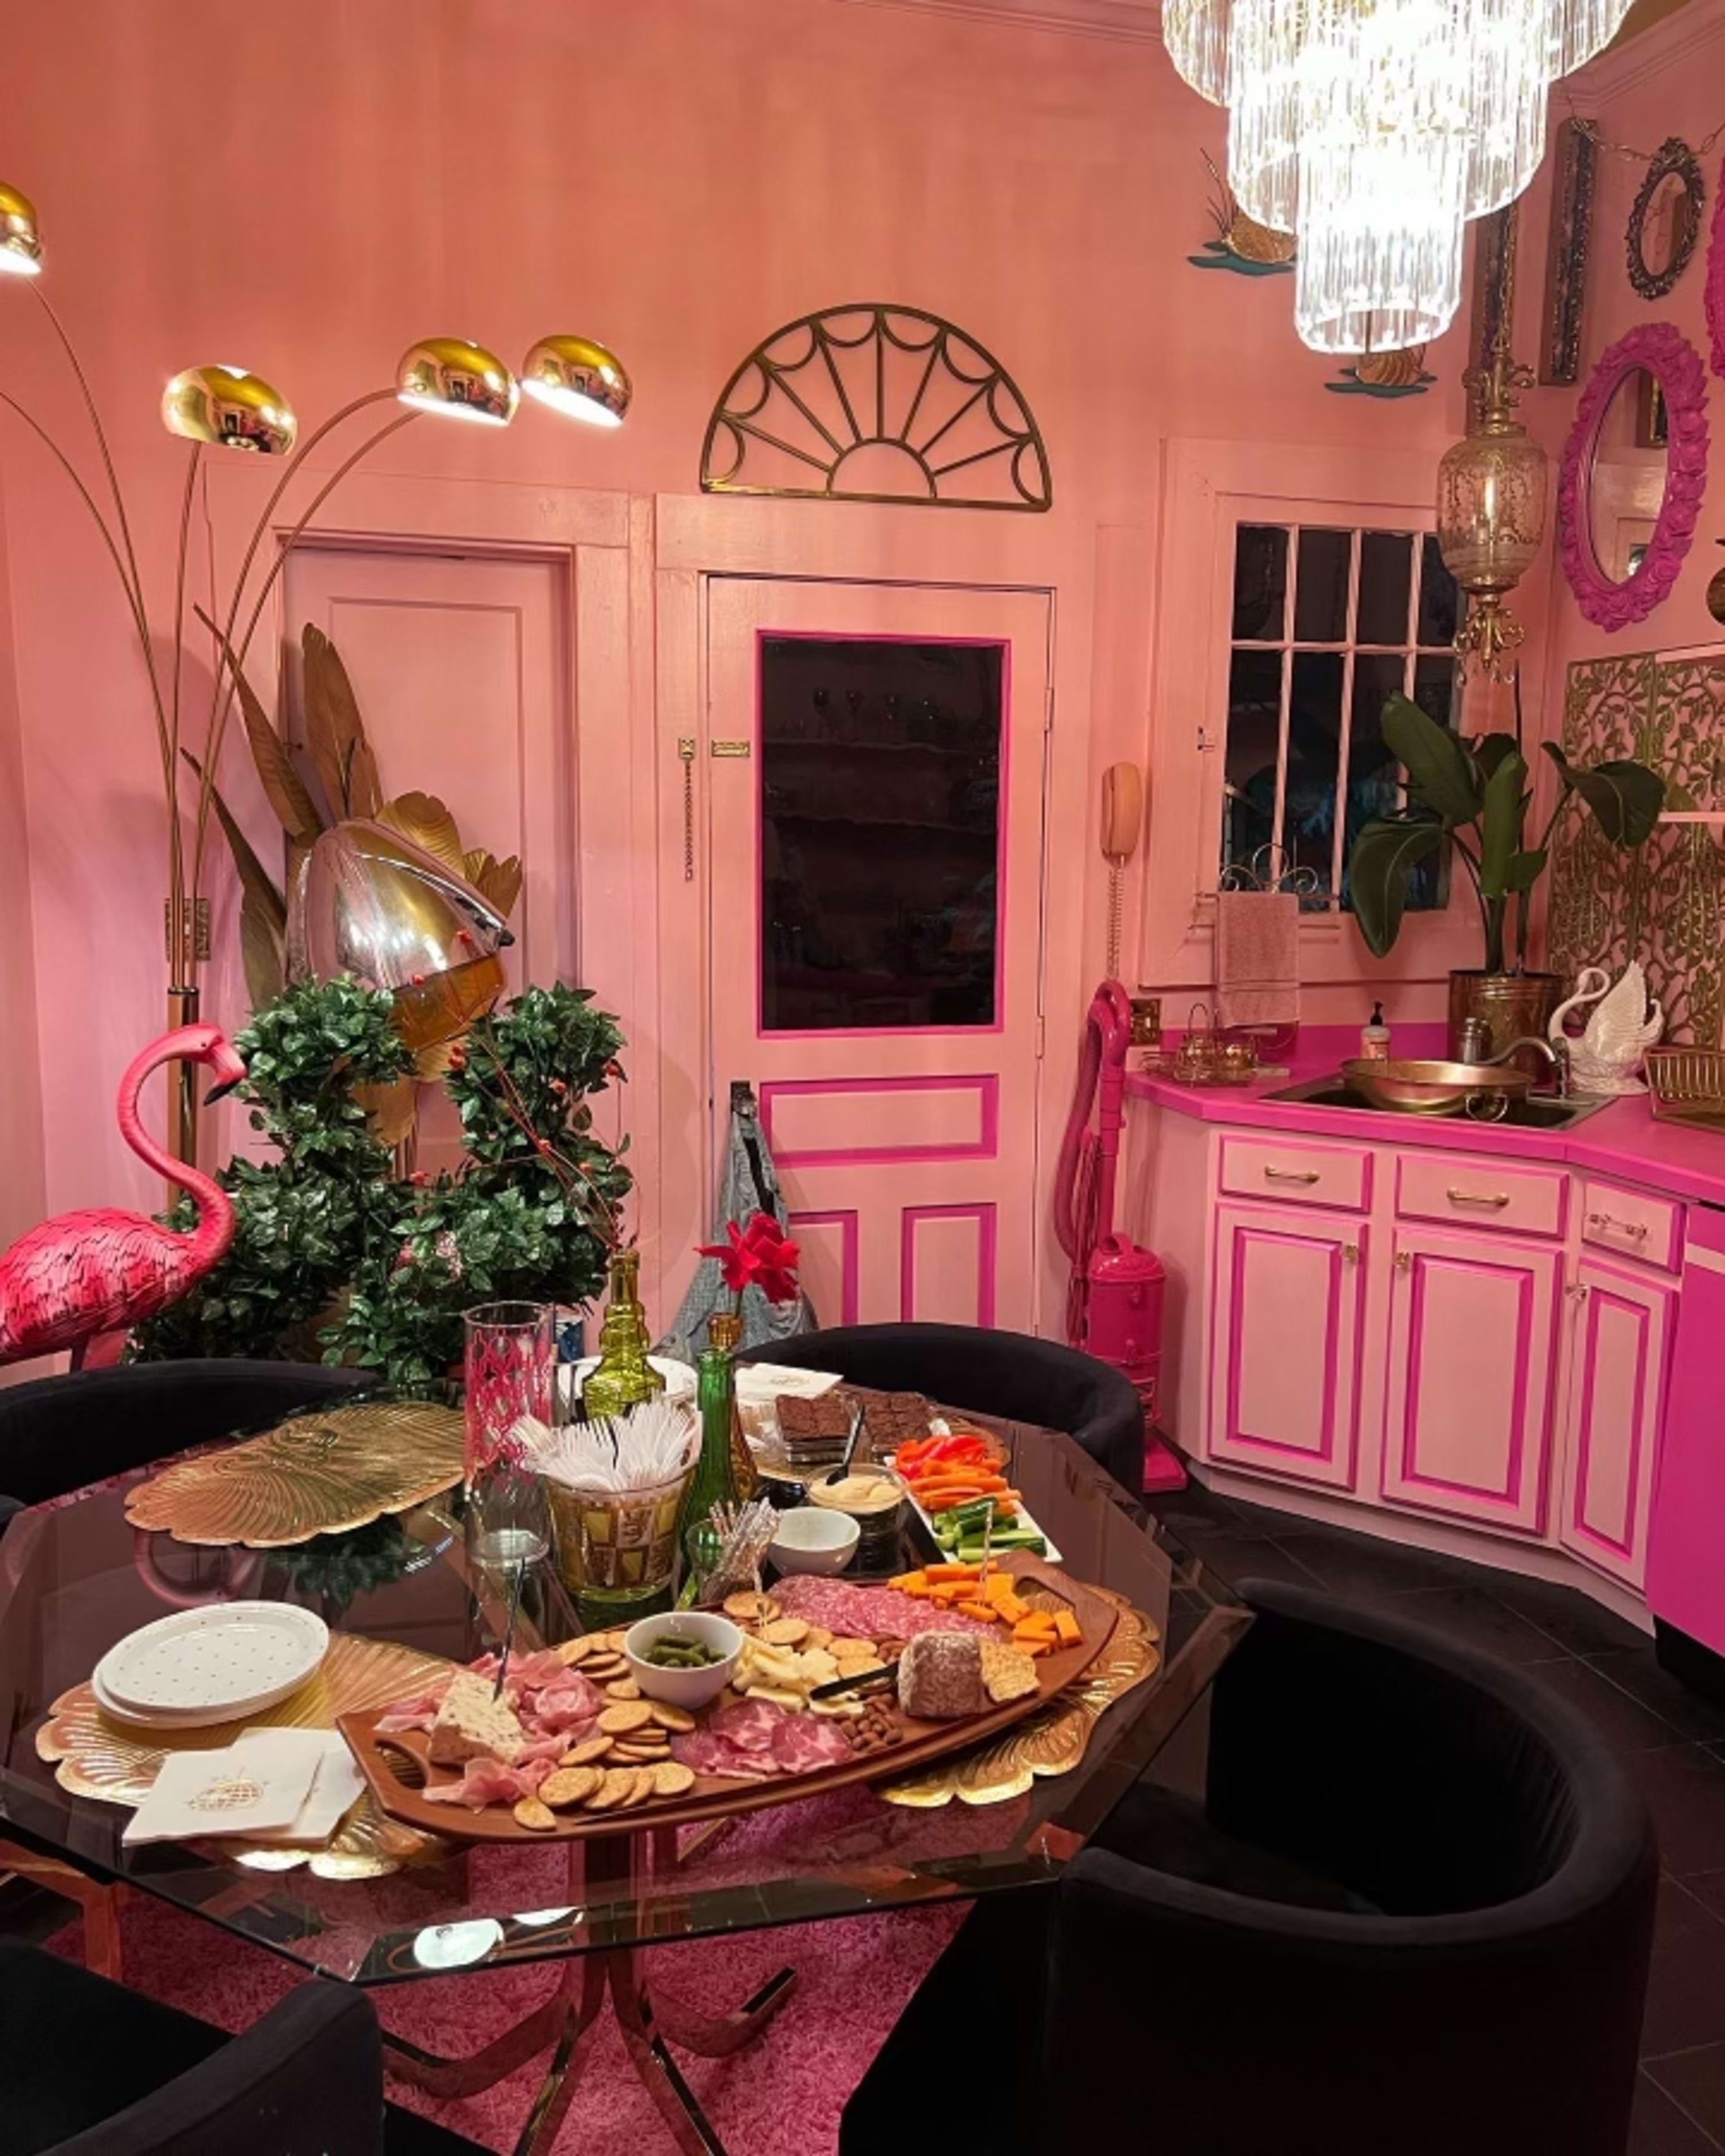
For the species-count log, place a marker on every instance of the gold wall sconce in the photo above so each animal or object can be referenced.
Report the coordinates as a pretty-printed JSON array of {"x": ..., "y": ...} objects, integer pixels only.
[{"x": 229, "y": 408}]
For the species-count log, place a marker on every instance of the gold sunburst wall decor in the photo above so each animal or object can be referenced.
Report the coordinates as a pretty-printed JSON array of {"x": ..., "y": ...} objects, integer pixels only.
[
  {"x": 871, "y": 402},
  {"x": 316, "y": 1474}
]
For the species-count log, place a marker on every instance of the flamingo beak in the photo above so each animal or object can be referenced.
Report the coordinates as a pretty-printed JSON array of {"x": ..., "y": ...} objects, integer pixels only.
[{"x": 221, "y": 1092}]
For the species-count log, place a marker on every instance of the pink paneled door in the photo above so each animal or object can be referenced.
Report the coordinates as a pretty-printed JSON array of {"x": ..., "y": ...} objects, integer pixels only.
[
  {"x": 446, "y": 653},
  {"x": 1618, "y": 1360},
  {"x": 875, "y": 758},
  {"x": 1284, "y": 1357},
  {"x": 1467, "y": 1428}
]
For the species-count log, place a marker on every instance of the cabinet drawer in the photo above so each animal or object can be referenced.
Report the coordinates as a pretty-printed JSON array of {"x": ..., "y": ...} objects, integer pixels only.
[
  {"x": 1481, "y": 1191},
  {"x": 1299, "y": 1171},
  {"x": 1631, "y": 1224}
]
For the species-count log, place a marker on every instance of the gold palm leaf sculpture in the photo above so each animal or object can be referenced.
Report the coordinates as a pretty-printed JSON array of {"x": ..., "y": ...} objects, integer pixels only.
[{"x": 316, "y": 1474}]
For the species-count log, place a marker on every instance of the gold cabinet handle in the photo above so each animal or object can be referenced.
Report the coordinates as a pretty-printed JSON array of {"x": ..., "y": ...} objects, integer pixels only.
[
  {"x": 1351, "y": 1252},
  {"x": 1638, "y": 1229},
  {"x": 1577, "y": 1292},
  {"x": 1496, "y": 1199},
  {"x": 1403, "y": 1260},
  {"x": 1291, "y": 1175}
]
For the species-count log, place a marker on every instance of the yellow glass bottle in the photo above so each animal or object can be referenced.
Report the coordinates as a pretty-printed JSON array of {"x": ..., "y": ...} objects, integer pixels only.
[{"x": 623, "y": 1377}]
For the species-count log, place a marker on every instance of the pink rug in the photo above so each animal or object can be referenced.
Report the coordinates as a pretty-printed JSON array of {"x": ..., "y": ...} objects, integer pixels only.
[{"x": 782, "y": 2098}]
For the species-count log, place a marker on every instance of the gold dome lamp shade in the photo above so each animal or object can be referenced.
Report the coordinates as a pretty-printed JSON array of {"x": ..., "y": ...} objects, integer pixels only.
[
  {"x": 456, "y": 378},
  {"x": 231, "y": 408},
  {"x": 20, "y": 238},
  {"x": 581, "y": 379}
]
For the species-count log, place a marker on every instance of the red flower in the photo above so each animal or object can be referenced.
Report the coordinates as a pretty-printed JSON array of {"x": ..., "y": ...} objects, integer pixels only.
[{"x": 756, "y": 1257}]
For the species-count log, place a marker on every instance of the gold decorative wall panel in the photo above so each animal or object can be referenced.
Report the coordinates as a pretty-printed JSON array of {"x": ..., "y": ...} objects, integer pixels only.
[{"x": 1664, "y": 904}]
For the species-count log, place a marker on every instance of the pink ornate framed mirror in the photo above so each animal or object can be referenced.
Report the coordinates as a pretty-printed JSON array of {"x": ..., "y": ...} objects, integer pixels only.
[
  {"x": 1634, "y": 469},
  {"x": 1715, "y": 296}
]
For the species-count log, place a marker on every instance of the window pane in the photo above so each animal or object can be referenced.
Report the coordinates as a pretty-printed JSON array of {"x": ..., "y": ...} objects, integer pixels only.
[
  {"x": 879, "y": 799},
  {"x": 1386, "y": 570},
  {"x": 1261, "y": 583},
  {"x": 1249, "y": 774},
  {"x": 1314, "y": 736},
  {"x": 1435, "y": 689},
  {"x": 1375, "y": 778},
  {"x": 1439, "y": 602},
  {"x": 1320, "y": 600}
]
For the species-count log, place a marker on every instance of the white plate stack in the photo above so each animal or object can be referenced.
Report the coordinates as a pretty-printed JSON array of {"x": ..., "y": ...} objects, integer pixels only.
[{"x": 213, "y": 1664}]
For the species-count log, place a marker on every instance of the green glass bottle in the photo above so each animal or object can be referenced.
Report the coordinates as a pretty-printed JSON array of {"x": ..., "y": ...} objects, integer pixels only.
[
  {"x": 715, "y": 1482},
  {"x": 623, "y": 1377}
]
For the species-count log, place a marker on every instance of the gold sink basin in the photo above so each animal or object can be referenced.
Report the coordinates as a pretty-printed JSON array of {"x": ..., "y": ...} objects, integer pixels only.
[{"x": 1423, "y": 1087}]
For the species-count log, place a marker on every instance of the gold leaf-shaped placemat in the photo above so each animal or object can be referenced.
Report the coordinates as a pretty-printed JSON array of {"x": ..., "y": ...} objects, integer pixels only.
[
  {"x": 93, "y": 1757},
  {"x": 1050, "y": 1743},
  {"x": 317, "y": 1474}
]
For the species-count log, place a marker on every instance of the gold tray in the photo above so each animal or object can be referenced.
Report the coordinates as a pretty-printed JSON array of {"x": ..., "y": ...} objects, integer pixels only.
[
  {"x": 316, "y": 1474},
  {"x": 1052, "y": 1741},
  {"x": 93, "y": 1757}
]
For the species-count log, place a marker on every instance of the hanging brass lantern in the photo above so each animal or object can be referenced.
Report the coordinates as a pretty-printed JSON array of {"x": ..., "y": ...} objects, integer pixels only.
[{"x": 1491, "y": 511}]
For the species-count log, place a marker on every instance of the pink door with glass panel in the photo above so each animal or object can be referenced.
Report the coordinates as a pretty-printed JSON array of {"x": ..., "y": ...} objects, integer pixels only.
[{"x": 875, "y": 757}]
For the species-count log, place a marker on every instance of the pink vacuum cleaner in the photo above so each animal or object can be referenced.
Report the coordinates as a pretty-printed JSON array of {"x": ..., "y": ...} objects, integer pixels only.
[{"x": 1114, "y": 1306}]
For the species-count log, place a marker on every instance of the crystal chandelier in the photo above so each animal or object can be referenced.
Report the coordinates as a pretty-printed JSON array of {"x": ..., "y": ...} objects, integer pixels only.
[{"x": 1373, "y": 130}]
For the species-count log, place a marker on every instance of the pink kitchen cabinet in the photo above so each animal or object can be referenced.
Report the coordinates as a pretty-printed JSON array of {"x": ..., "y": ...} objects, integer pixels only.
[
  {"x": 1469, "y": 1390},
  {"x": 1286, "y": 1343},
  {"x": 1618, "y": 1350}
]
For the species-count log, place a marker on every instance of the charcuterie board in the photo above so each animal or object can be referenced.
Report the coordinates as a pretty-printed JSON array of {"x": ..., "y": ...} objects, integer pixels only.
[{"x": 397, "y": 1766}]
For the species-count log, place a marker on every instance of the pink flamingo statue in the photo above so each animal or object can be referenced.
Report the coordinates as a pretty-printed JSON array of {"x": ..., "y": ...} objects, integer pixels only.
[{"x": 102, "y": 1271}]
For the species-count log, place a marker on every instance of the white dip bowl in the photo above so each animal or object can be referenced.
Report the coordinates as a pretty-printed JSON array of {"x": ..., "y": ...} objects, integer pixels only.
[
  {"x": 813, "y": 1538},
  {"x": 689, "y": 1688}
]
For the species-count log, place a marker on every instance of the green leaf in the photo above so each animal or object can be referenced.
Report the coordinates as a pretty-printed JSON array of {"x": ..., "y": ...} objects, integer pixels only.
[
  {"x": 1441, "y": 775},
  {"x": 1525, "y": 871},
  {"x": 1626, "y": 798},
  {"x": 1490, "y": 750},
  {"x": 1384, "y": 855},
  {"x": 1501, "y": 815}
]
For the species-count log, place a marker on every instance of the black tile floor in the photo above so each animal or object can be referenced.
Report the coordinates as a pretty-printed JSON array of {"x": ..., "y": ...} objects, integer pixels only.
[{"x": 1671, "y": 1740}]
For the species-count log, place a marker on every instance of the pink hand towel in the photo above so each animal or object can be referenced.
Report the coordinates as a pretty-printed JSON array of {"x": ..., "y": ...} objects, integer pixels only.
[{"x": 1257, "y": 959}]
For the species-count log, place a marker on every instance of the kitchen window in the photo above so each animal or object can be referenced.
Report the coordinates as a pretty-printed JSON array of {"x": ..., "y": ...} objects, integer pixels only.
[{"x": 1328, "y": 621}]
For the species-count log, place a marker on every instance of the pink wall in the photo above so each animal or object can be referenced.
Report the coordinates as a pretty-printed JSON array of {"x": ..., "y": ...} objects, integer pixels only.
[
  {"x": 681, "y": 180},
  {"x": 1667, "y": 82},
  {"x": 21, "y": 1176}
]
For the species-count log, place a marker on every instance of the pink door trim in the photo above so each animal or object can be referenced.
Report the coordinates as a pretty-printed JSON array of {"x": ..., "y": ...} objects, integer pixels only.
[
  {"x": 1002, "y": 821},
  {"x": 846, "y": 1224},
  {"x": 1410, "y": 1407},
  {"x": 986, "y": 1145},
  {"x": 911, "y": 1218},
  {"x": 1580, "y": 1526}
]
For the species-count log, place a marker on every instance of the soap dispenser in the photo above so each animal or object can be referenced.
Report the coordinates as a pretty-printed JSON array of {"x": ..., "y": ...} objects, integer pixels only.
[{"x": 1374, "y": 1038}]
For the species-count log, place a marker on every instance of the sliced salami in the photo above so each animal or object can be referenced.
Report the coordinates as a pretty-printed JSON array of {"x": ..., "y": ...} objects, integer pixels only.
[
  {"x": 802, "y": 1745},
  {"x": 750, "y": 1724}
]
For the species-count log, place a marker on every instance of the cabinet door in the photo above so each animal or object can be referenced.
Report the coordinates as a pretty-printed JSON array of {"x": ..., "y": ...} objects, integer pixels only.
[
  {"x": 1619, "y": 1340},
  {"x": 1468, "y": 1408},
  {"x": 1285, "y": 1376}
]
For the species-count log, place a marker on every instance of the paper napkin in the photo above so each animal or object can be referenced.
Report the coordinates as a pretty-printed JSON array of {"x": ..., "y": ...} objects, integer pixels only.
[
  {"x": 336, "y": 1779},
  {"x": 198, "y": 1793}
]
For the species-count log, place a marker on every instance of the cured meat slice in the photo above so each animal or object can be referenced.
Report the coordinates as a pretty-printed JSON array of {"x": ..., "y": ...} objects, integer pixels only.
[
  {"x": 484, "y": 1782},
  {"x": 562, "y": 1705},
  {"x": 417, "y": 1713},
  {"x": 801, "y": 1745},
  {"x": 866, "y": 1613},
  {"x": 704, "y": 1752},
  {"x": 750, "y": 1724}
]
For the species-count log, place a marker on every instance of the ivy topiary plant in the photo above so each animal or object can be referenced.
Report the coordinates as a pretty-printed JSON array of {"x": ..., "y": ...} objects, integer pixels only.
[{"x": 336, "y": 1253}]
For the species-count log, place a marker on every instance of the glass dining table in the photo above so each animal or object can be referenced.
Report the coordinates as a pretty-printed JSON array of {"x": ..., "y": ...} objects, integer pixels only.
[{"x": 386, "y": 1904}]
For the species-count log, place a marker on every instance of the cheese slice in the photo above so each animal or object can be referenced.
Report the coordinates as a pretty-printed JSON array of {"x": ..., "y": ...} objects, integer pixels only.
[{"x": 470, "y": 1724}]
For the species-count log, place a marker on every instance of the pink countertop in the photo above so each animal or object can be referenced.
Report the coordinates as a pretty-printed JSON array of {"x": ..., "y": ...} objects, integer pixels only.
[{"x": 1621, "y": 1140}]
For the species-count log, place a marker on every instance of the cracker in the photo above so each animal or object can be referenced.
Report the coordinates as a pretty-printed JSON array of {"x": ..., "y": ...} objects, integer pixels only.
[
  {"x": 576, "y": 1650},
  {"x": 785, "y": 1631},
  {"x": 1007, "y": 1674},
  {"x": 669, "y": 1717},
  {"x": 570, "y": 1785},
  {"x": 671, "y": 1778},
  {"x": 645, "y": 1784},
  {"x": 623, "y": 1688},
  {"x": 819, "y": 1636},
  {"x": 848, "y": 1649},
  {"x": 626, "y": 1714},
  {"x": 611, "y": 1791},
  {"x": 639, "y": 1755},
  {"x": 751, "y": 1609},
  {"x": 531, "y": 1812},
  {"x": 589, "y": 1748}
]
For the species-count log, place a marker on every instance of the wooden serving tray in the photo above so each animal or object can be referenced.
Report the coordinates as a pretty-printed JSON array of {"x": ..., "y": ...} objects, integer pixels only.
[{"x": 717, "y": 1796}]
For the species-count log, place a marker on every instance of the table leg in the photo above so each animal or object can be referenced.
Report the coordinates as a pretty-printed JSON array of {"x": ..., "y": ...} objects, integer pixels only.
[
  {"x": 718, "y": 2035},
  {"x": 99, "y": 1905}
]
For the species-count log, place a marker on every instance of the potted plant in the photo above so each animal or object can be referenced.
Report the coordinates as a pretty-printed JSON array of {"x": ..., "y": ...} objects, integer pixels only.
[{"x": 1471, "y": 799}]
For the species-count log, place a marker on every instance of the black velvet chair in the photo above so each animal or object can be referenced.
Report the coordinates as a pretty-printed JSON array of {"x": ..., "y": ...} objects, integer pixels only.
[
  {"x": 88, "y": 2068},
  {"x": 58, "y": 1434},
  {"x": 998, "y": 1373},
  {"x": 1412, "y": 1913}
]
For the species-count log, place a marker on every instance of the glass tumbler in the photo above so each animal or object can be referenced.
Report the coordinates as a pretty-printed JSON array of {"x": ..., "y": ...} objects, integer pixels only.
[{"x": 509, "y": 1362}]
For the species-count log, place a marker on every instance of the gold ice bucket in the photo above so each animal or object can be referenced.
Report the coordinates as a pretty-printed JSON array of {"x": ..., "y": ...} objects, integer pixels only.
[{"x": 623, "y": 1540}]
